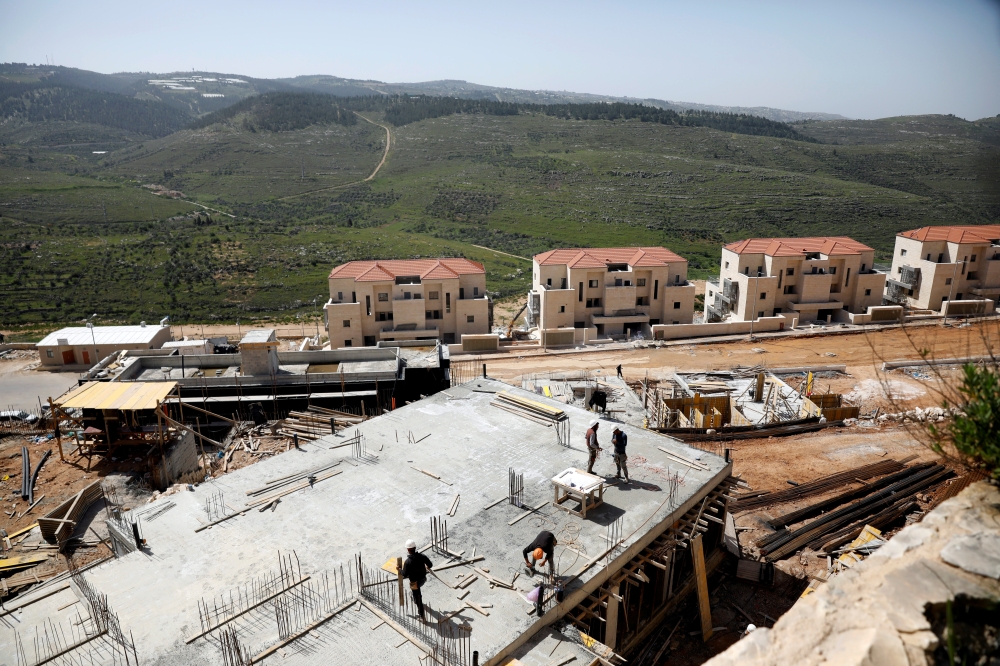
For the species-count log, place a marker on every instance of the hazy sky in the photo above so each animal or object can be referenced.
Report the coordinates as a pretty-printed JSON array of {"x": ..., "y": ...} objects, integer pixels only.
[{"x": 860, "y": 59}]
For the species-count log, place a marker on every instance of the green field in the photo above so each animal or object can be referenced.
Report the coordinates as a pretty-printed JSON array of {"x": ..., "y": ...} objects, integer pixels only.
[{"x": 80, "y": 234}]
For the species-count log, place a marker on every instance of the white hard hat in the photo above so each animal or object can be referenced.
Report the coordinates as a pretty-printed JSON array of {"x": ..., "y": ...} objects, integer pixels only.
[
  {"x": 410, "y": 543},
  {"x": 595, "y": 424},
  {"x": 751, "y": 627}
]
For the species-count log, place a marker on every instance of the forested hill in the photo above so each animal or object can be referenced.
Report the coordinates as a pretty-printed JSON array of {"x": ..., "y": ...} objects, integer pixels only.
[
  {"x": 282, "y": 112},
  {"x": 39, "y": 102},
  {"x": 289, "y": 111}
]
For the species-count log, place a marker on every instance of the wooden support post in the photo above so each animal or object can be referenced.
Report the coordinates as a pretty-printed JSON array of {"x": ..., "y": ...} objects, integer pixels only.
[
  {"x": 758, "y": 395},
  {"x": 55, "y": 421},
  {"x": 399, "y": 578},
  {"x": 611, "y": 625},
  {"x": 701, "y": 582}
]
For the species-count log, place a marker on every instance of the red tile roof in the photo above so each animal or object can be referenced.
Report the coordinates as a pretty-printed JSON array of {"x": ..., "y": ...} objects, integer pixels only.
[
  {"x": 427, "y": 269},
  {"x": 599, "y": 257},
  {"x": 956, "y": 234},
  {"x": 790, "y": 247}
]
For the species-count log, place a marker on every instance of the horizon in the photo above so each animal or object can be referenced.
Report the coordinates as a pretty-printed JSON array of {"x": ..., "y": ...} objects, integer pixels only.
[{"x": 905, "y": 59}]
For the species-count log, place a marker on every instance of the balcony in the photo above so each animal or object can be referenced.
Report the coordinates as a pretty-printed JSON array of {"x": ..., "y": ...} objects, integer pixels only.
[
  {"x": 907, "y": 278},
  {"x": 408, "y": 332}
]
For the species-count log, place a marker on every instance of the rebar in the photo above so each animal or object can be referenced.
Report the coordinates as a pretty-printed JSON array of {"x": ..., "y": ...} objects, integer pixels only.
[
  {"x": 515, "y": 487},
  {"x": 234, "y": 653},
  {"x": 439, "y": 535},
  {"x": 215, "y": 506}
]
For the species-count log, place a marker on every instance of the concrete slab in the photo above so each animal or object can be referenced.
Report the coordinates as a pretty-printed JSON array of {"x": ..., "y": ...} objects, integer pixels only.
[{"x": 372, "y": 507}]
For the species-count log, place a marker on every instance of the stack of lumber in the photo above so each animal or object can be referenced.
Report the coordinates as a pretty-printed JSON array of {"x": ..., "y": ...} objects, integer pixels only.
[
  {"x": 277, "y": 488},
  {"x": 58, "y": 525},
  {"x": 881, "y": 506},
  {"x": 817, "y": 487},
  {"x": 315, "y": 422},
  {"x": 708, "y": 386},
  {"x": 530, "y": 409}
]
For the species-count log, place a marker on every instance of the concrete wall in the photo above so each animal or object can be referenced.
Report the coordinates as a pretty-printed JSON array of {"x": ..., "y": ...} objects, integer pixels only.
[
  {"x": 480, "y": 343},
  {"x": 344, "y": 324},
  {"x": 681, "y": 296},
  {"x": 765, "y": 325}
]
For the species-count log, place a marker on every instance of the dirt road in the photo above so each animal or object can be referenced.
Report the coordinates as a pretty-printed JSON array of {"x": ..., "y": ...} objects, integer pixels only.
[{"x": 862, "y": 353}]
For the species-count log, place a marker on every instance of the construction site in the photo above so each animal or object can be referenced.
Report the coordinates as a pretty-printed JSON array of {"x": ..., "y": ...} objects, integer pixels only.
[{"x": 174, "y": 510}]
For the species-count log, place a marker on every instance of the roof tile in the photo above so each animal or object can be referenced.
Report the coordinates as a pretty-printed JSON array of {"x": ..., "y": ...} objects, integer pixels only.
[
  {"x": 789, "y": 247},
  {"x": 382, "y": 271},
  {"x": 599, "y": 257}
]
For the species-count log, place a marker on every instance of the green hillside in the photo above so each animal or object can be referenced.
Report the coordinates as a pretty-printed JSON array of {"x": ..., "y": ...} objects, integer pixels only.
[{"x": 291, "y": 204}]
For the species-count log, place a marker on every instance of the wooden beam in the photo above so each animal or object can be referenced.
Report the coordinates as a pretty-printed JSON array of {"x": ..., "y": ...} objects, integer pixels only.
[
  {"x": 611, "y": 628},
  {"x": 701, "y": 581}
]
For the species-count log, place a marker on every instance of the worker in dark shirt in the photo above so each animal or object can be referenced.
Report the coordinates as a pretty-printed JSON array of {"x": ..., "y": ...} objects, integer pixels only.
[
  {"x": 415, "y": 569},
  {"x": 542, "y": 548},
  {"x": 620, "y": 440}
]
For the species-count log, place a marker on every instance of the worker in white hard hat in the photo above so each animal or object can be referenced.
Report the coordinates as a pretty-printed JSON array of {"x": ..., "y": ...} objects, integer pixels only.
[
  {"x": 593, "y": 448},
  {"x": 415, "y": 569},
  {"x": 750, "y": 629}
]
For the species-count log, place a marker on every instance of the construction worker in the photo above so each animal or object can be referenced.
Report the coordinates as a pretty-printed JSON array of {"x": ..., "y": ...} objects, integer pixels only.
[
  {"x": 592, "y": 447},
  {"x": 542, "y": 550},
  {"x": 620, "y": 440},
  {"x": 415, "y": 569},
  {"x": 619, "y": 371}
]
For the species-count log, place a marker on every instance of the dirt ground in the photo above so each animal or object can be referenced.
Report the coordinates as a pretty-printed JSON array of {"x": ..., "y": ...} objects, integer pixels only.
[{"x": 22, "y": 385}]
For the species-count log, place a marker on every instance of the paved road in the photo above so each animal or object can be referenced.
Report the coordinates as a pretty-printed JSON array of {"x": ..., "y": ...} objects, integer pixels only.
[{"x": 21, "y": 389}]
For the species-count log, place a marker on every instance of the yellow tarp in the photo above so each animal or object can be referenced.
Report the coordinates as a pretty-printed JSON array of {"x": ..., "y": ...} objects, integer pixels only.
[{"x": 117, "y": 395}]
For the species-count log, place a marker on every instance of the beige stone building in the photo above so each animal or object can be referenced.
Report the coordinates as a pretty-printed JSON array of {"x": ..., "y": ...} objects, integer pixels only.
[
  {"x": 932, "y": 266},
  {"x": 607, "y": 292},
  {"x": 409, "y": 299},
  {"x": 813, "y": 277}
]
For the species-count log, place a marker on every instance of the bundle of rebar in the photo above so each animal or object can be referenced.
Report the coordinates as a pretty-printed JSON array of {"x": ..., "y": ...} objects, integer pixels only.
[
  {"x": 787, "y": 542},
  {"x": 842, "y": 498},
  {"x": 819, "y": 486},
  {"x": 25, "y": 471}
]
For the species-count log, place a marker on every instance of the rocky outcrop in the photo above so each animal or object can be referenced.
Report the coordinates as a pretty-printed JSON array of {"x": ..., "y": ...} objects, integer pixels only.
[{"x": 888, "y": 610}]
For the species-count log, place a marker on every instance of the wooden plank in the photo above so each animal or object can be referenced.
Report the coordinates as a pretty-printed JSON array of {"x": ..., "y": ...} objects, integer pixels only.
[
  {"x": 430, "y": 474},
  {"x": 701, "y": 580},
  {"x": 682, "y": 459},
  {"x": 611, "y": 627},
  {"x": 527, "y": 513}
]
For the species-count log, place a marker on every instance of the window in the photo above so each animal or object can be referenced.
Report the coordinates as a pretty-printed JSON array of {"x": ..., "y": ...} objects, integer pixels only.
[
  {"x": 428, "y": 314},
  {"x": 470, "y": 319},
  {"x": 959, "y": 297},
  {"x": 475, "y": 291},
  {"x": 833, "y": 270},
  {"x": 579, "y": 294},
  {"x": 641, "y": 300},
  {"x": 777, "y": 311},
  {"x": 407, "y": 296},
  {"x": 562, "y": 308},
  {"x": 48, "y": 352},
  {"x": 973, "y": 258},
  {"x": 433, "y": 295},
  {"x": 902, "y": 251},
  {"x": 760, "y": 270},
  {"x": 347, "y": 323},
  {"x": 340, "y": 295},
  {"x": 348, "y": 343},
  {"x": 354, "y": 297},
  {"x": 549, "y": 282},
  {"x": 847, "y": 278},
  {"x": 763, "y": 295},
  {"x": 677, "y": 305},
  {"x": 447, "y": 302},
  {"x": 727, "y": 264},
  {"x": 592, "y": 284},
  {"x": 746, "y": 271},
  {"x": 368, "y": 305},
  {"x": 972, "y": 275},
  {"x": 947, "y": 280},
  {"x": 640, "y": 282},
  {"x": 928, "y": 256},
  {"x": 789, "y": 289},
  {"x": 677, "y": 279},
  {"x": 562, "y": 284},
  {"x": 461, "y": 291},
  {"x": 789, "y": 271},
  {"x": 868, "y": 292},
  {"x": 593, "y": 303},
  {"x": 760, "y": 314},
  {"x": 418, "y": 296},
  {"x": 656, "y": 289},
  {"x": 383, "y": 296}
]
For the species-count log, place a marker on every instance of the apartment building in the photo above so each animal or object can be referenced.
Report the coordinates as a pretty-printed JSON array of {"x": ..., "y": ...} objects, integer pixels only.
[
  {"x": 934, "y": 265},
  {"x": 813, "y": 277},
  {"x": 410, "y": 299},
  {"x": 612, "y": 290}
]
